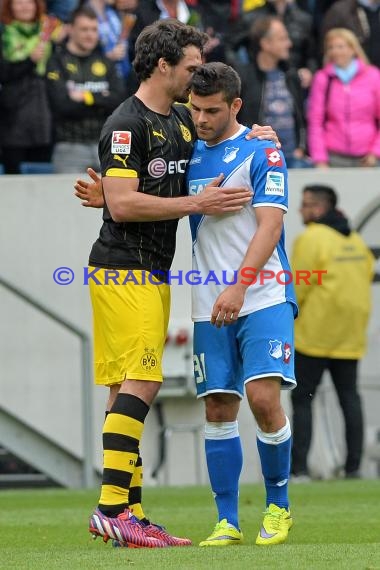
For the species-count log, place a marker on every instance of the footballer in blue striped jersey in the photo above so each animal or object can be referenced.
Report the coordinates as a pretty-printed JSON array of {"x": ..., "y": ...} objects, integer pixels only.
[{"x": 243, "y": 332}]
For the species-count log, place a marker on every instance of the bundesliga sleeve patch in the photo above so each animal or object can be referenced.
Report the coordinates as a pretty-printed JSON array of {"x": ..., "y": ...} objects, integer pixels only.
[
  {"x": 274, "y": 158},
  {"x": 275, "y": 185},
  {"x": 121, "y": 142}
]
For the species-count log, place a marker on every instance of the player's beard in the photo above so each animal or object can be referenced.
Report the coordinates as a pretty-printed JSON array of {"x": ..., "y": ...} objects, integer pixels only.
[
  {"x": 182, "y": 97},
  {"x": 205, "y": 135}
]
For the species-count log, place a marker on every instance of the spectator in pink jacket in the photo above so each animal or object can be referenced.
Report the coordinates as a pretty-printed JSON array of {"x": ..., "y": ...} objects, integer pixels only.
[{"x": 344, "y": 106}]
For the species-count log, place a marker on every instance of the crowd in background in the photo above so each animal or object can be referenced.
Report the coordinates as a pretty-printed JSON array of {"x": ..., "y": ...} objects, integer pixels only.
[{"x": 309, "y": 68}]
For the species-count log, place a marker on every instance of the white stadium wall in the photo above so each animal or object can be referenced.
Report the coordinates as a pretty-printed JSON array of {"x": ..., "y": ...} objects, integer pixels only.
[{"x": 43, "y": 227}]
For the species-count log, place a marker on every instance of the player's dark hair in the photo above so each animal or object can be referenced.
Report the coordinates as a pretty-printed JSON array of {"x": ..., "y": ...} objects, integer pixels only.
[
  {"x": 324, "y": 194},
  {"x": 164, "y": 39},
  {"x": 216, "y": 77},
  {"x": 85, "y": 11}
]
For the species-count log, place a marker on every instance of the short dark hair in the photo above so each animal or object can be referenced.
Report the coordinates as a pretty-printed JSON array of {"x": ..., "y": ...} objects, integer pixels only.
[
  {"x": 259, "y": 30},
  {"x": 323, "y": 193},
  {"x": 216, "y": 77},
  {"x": 165, "y": 38},
  {"x": 85, "y": 11}
]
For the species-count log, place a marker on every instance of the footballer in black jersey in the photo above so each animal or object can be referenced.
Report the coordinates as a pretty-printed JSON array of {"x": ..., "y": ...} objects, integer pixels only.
[{"x": 137, "y": 142}]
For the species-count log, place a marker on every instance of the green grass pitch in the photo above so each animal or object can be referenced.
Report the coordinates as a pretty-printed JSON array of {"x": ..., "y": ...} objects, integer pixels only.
[{"x": 336, "y": 526}]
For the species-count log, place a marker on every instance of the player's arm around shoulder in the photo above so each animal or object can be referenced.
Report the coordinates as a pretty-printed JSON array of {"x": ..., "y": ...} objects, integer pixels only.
[
  {"x": 122, "y": 152},
  {"x": 124, "y": 178},
  {"x": 126, "y": 204}
]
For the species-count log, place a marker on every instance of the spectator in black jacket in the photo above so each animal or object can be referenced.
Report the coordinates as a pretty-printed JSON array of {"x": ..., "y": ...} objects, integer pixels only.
[
  {"x": 186, "y": 11},
  {"x": 316, "y": 9},
  {"x": 84, "y": 89},
  {"x": 299, "y": 24},
  {"x": 271, "y": 91}
]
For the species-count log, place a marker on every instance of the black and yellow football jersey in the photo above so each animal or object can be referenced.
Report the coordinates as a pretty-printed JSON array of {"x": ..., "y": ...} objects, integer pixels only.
[{"x": 137, "y": 142}]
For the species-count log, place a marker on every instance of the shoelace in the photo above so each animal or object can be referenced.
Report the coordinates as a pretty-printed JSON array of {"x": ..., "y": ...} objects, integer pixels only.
[
  {"x": 158, "y": 526},
  {"x": 274, "y": 519},
  {"x": 135, "y": 520},
  {"x": 127, "y": 516},
  {"x": 218, "y": 526}
]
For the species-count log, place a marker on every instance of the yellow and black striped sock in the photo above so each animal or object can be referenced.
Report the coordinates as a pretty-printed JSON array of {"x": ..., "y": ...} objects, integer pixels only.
[
  {"x": 122, "y": 433},
  {"x": 135, "y": 491}
]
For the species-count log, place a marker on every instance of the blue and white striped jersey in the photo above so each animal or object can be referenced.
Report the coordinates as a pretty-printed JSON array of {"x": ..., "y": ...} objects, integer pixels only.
[{"x": 220, "y": 242}]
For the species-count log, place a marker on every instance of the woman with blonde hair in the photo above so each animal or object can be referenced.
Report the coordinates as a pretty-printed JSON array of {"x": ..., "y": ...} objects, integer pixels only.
[{"x": 344, "y": 105}]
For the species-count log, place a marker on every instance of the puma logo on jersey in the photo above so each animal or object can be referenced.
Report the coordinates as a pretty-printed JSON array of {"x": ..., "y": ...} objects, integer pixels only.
[
  {"x": 120, "y": 159},
  {"x": 159, "y": 134}
]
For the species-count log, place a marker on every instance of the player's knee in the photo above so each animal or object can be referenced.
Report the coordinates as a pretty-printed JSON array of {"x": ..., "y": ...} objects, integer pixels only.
[
  {"x": 263, "y": 407},
  {"x": 222, "y": 407}
]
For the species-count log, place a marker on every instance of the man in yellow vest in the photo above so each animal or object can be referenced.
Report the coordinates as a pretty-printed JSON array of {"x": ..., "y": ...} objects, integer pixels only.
[{"x": 334, "y": 270}]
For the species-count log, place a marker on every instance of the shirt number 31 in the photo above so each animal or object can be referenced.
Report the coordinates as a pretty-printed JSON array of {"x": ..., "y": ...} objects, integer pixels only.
[{"x": 199, "y": 368}]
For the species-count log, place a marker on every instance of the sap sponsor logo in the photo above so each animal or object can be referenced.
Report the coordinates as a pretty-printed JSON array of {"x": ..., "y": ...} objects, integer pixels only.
[
  {"x": 121, "y": 142},
  {"x": 230, "y": 154},
  {"x": 158, "y": 167},
  {"x": 275, "y": 184},
  {"x": 274, "y": 158},
  {"x": 197, "y": 186},
  {"x": 275, "y": 349}
]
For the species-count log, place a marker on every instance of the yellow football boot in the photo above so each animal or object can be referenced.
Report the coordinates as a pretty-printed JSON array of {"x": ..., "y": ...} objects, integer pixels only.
[
  {"x": 276, "y": 525},
  {"x": 224, "y": 534}
]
